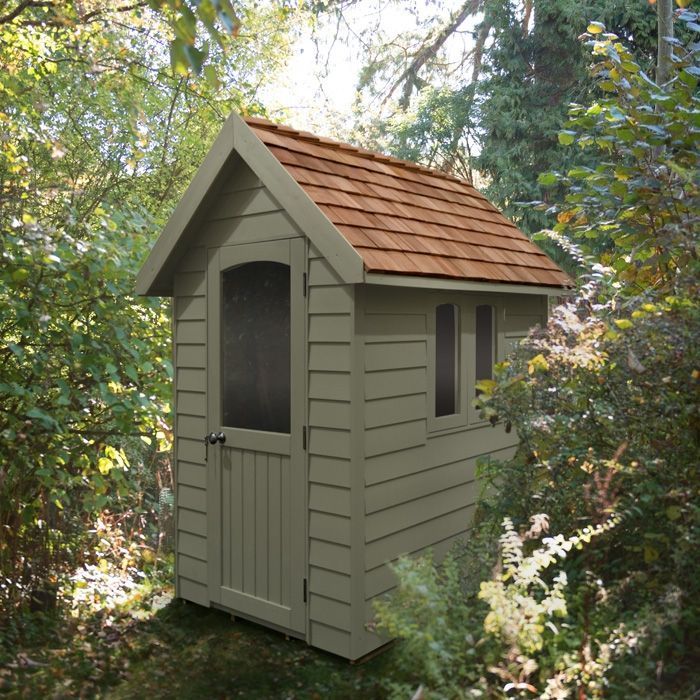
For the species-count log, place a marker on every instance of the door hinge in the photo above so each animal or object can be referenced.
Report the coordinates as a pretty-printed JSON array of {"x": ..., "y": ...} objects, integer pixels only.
[
  {"x": 304, "y": 284},
  {"x": 303, "y": 438},
  {"x": 305, "y": 590}
]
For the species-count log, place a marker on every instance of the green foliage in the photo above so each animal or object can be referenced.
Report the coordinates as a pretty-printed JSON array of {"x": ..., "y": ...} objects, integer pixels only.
[
  {"x": 605, "y": 402},
  {"x": 502, "y": 121},
  {"x": 637, "y": 205},
  {"x": 99, "y": 145}
]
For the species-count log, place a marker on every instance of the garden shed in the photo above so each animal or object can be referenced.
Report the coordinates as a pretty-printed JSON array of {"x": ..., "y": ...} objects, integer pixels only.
[{"x": 332, "y": 311}]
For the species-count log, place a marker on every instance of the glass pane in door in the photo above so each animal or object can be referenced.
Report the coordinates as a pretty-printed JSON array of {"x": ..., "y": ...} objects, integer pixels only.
[{"x": 255, "y": 347}]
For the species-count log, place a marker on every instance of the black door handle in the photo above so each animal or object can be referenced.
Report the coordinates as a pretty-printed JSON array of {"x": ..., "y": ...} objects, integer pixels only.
[{"x": 213, "y": 438}]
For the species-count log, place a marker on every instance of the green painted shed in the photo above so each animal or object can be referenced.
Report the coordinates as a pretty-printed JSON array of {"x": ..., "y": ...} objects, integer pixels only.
[{"x": 332, "y": 311}]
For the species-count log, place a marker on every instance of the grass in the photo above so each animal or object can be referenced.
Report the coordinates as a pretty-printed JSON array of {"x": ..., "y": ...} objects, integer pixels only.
[{"x": 150, "y": 648}]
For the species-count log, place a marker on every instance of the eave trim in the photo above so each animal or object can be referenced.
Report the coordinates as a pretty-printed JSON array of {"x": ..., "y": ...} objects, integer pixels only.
[{"x": 426, "y": 282}]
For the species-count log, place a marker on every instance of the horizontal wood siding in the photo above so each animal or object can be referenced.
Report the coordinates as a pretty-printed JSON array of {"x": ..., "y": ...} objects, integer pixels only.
[
  {"x": 420, "y": 487},
  {"x": 242, "y": 212},
  {"x": 189, "y": 307},
  {"x": 329, "y": 333}
]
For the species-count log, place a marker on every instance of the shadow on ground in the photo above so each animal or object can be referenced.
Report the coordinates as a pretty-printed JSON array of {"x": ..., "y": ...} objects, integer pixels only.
[
  {"x": 187, "y": 651},
  {"x": 180, "y": 651}
]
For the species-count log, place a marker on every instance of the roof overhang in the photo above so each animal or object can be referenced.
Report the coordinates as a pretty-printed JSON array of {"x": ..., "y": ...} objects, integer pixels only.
[
  {"x": 156, "y": 276},
  {"x": 425, "y": 282}
]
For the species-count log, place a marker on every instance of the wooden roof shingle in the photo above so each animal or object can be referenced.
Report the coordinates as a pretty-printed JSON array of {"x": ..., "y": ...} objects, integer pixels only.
[{"x": 404, "y": 218}]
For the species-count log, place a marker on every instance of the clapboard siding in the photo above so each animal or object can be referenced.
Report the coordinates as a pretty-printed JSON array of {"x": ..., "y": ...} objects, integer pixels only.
[
  {"x": 192, "y": 521},
  {"x": 408, "y": 487},
  {"x": 381, "y": 412},
  {"x": 328, "y": 611},
  {"x": 392, "y": 438},
  {"x": 193, "y": 546},
  {"x": 329, "y": 499},
  {"x": 397, "y": 355},
  {"x": 194, "y": 355},
  {"x": 330, "y": 584},
  {"x": 329, "y": 358},
  {"x": 391, "y": 383},
  {"x": 192, "y": 498},
  {"x": 382, "y": 579},
  {"x": 329, "y": 470},
  {"x": 191, "y": 474},
  {"x": 400, "y": 517},
  {"x": 439, "y": 450},
  {"x": 418, "y": 536},
  {"x": 191, "y": 568},
  {"x": 334, "y": 386},
  {"x": 329, "y": 414},
  {"x": 329, "y": 638},
  {"x": 189, "y": 310},
  {"x": 189, "y": 426},
  {"x": 255, "y": 200},
  {"x": 251, "y": 228},
  {"x": 420, "y": 486},
  {"x": 329, "y": 527},
  {"x": 191, "y": 403},
  {"x": 327, "y": 555},
  {"x": 193, "y": 590}
]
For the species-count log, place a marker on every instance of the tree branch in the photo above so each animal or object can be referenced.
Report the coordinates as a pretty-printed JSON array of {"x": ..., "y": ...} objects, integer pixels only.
[
  {"x": 23, "y": 5},
  {"x": 409, "y": 78}
]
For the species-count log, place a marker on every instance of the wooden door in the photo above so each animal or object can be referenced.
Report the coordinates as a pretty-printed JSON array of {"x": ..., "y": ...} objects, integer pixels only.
[{"x": 256, "y": 501}]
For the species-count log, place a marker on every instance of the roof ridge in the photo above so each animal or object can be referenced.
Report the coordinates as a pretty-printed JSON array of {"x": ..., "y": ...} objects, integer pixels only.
[{"x": 268, "y": 125}]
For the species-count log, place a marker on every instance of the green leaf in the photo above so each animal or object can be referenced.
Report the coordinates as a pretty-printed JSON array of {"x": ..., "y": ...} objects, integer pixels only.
[
  {"x": 17, "y": 350},
  {"x": 566, "y": 138},
  {"x": 44, "y": 418},
  {"x": 179, "y": 61},
  {"x": 547, "y": 179},
  {"x": 673, "y": 512},
  {"x": 195, "y": 58},
  {"x": 212, "y": 77}
]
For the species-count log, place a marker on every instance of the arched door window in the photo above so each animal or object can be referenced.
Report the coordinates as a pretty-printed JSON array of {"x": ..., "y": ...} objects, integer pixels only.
[{"x": 255, "y": 354}]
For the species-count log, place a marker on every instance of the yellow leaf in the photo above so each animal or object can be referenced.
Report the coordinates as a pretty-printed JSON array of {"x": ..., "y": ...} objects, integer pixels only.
[
  {"x": 565, "y": 216},
  {"x": 486, "y": 386},
  {"x": 104, "y": 464},
  {"x": 537, "y": 363}
]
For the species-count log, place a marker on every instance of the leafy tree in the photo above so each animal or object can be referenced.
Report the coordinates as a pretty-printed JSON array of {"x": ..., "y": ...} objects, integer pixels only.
[
  {"x": 492, "y": 111},
  {"x": 530, "y": 78},
  {"x": 638, "y": 206},
  {"x": 104, "y": 129}
]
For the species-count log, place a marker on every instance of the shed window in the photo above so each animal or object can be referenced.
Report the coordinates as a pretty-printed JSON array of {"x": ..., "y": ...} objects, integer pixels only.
[
  {"x": 446, "y": 354},
  {"x": 255, "y": 347},
  {"x": 484, "y": 342}
]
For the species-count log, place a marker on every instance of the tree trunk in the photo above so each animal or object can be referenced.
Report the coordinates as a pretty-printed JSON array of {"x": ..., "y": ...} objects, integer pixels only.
[{"x": 664, "y": 9}]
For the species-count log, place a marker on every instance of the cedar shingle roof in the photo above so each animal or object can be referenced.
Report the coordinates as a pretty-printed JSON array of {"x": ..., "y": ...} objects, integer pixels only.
[{"x": 403, "y": 218}]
